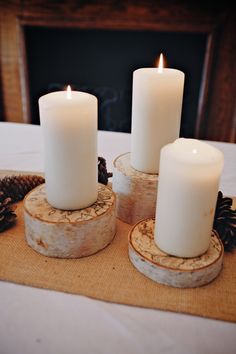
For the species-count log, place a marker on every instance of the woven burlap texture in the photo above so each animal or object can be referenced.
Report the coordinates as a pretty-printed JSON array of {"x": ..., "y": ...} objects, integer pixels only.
[{"x": 109, "y": 275}]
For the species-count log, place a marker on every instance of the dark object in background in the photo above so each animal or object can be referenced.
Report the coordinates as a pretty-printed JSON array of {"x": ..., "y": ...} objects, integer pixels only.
[
  {"x": 102, "y": 62},
  {"x": 16, "y": 187},
  {"x": 7, "y": 215},
  {"x": 225, "y": 222},
  {"x": 103, "y": 175}
]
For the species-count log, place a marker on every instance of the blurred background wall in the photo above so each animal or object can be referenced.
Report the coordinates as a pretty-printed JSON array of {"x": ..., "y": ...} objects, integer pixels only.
[{"x": 96, "y": 45}]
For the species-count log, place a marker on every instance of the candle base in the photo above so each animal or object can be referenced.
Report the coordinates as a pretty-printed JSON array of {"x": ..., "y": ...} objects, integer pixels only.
[
  {"x": 69, "y": 234},
  {"x": 170, "y": 270},
  {"x": 136, "y": 191}
]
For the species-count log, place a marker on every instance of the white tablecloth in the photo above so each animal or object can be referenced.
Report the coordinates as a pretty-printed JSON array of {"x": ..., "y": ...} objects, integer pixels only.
[{"x": 36, "y": 321}]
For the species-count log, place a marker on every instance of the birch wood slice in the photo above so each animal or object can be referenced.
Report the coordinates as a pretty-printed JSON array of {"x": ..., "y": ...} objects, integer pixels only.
[
  {"x": 171, "y": 270},
  {"x": 136, "y": 191},
  {"x": 69, "y": 234}
]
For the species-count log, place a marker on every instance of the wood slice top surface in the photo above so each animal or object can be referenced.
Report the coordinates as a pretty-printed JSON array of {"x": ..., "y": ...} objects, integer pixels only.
[
  {"x": 141, "y": 239},
  {"x": 122, "y": 163},
  {"x": 36, "y": 204}
]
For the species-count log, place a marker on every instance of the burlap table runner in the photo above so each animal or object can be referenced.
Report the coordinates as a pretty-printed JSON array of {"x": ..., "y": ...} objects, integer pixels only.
[{"x": 109, "y": 275}]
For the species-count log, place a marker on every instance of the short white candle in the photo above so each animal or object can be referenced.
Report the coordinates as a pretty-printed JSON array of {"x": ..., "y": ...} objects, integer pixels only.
[
  {"x": 187, "y": 192},
  {"x": 156, "y": 114},
  {"x": 69, "y": 127}
]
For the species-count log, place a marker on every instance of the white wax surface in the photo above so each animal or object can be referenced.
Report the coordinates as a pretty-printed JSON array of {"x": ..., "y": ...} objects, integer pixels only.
[
  {"x": 70, "y": 148},
  {"x": 187, "y": 192},
  {"x": 156, "y": 114}
]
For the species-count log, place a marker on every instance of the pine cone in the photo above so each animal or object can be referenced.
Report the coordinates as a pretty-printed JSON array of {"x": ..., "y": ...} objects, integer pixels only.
[
  {"x": 103, "y": 175},
  {"x": 225, "y": 222},
  {"x": 7, "y": 215},
  {"x": 16, "y": 187}
]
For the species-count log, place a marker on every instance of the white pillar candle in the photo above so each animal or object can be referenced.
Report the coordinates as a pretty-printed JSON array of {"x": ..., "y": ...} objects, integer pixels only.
[
  {"x": 187, "y": 192},
  {"x": 156, "y": 113},
  {"x": 69, "y": 127}
]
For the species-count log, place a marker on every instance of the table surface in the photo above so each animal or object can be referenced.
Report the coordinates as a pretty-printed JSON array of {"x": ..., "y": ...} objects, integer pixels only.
[{"x": 36, "y": 321}]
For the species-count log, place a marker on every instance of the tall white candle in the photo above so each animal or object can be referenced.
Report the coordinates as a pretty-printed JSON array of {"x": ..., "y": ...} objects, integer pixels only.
[
  {"x": 187, "y": 192},
  {"x": 156, "y": 113},
  {"x": 69, "y": 127}
]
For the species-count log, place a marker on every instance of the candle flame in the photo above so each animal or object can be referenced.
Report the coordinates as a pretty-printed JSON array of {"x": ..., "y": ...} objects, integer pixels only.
[
  {"x": 160, "y": 64},
  {"x": 68, "y": 92}
]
